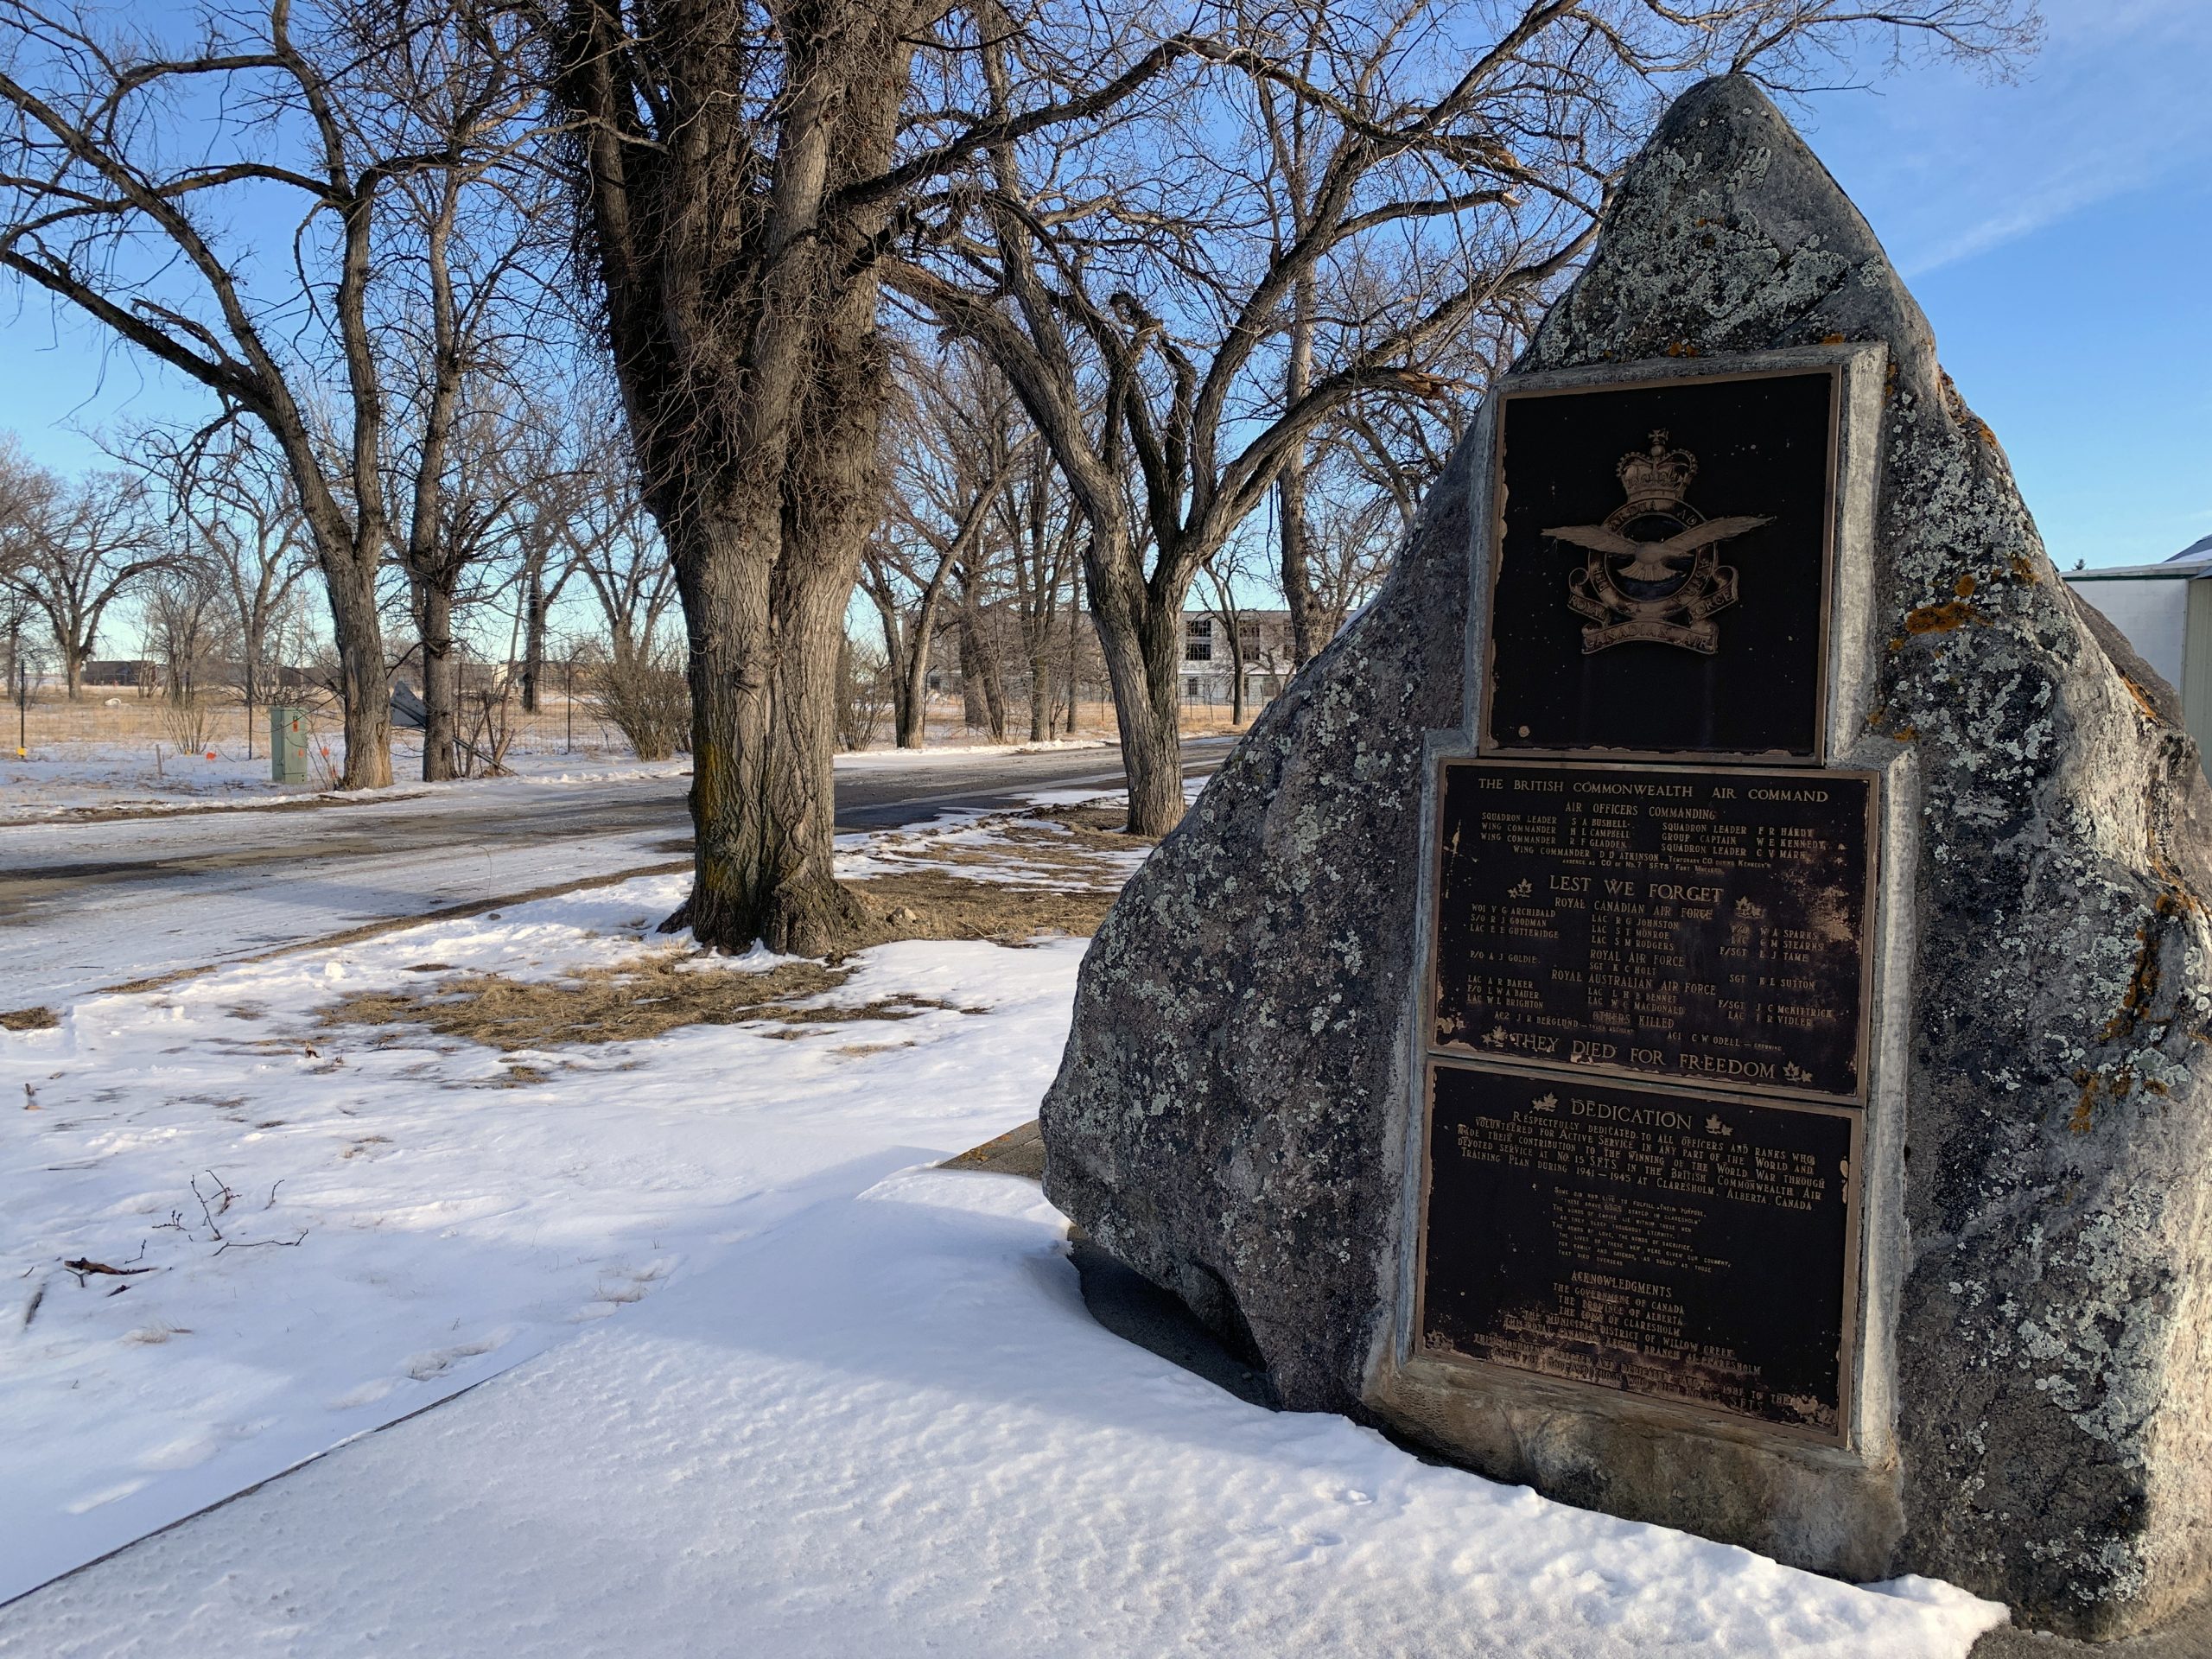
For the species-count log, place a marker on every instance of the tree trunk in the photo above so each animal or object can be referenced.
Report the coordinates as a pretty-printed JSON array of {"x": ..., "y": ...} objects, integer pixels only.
[
  {"x": 1142, "y": 642},
  {"x": 895, "y": 659},
  {"x": 914, "y": 692},
  {"x": 1236, "y": 671},
  {"x": 764, "y": 728},
  {"x": 73, "y": 671},
  {"x": 1074, "y": 646},
  {"x": 914, "y": 698},
  {"x": 1297, "y": 562},
  {"x": 982, "y": 689},
  {"x": 533, "y": 638},
  {"x": 364, "y": 689},
  {"x": 440, "y": 683},
  {"x": 994, "y": 688},
  {"x": 973, "y": 714},
  {"x": 745, "y": 340},
  {"x": 1290, "y": 486},
  {"x": 1041, "y": 689}
]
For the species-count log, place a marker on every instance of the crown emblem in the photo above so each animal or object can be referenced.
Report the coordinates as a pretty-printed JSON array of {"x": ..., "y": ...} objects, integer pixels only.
[
  {"x": 1657, "y": 478},
  {"x": 1519, "y": 890},
  {"x": 1650, "y": 571}
]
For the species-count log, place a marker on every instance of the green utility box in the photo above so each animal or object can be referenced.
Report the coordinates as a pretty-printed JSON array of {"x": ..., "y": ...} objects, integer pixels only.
[{"x": 287, "y": 745}]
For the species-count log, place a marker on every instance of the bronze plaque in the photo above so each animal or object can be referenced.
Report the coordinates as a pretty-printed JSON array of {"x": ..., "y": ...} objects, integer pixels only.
[
  {"x": 1704, "y": 924},
  {"x": 1689, "y": 1247},
  {"x": 1662, "y": 568}
]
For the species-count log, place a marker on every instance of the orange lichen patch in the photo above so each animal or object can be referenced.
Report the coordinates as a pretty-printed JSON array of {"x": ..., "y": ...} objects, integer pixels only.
[
  {"x": 2152, "y": 1086},
  {"x": 2023, "y": 569},
  {"x": 1942, "y": 618},
  {"x": 2177, "y": 895},
  {"x": 1905, "y": 734},
  {"x": 2141, "y": 700},
  {"x": 2142, "y": 983},
  {"x": 1683, "y": 348},
  {"x": 2085, "y": 1109},
  {"x": 1964, "y": 586},
  {"x": 1831, "y": 339}
]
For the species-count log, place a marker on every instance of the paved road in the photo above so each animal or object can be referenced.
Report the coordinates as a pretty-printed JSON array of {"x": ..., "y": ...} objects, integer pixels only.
[{"x": 90, "y": 903}]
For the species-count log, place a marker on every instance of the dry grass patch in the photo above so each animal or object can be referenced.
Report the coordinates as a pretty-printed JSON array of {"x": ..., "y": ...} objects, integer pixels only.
[
  {"x": 938, "y": 904},
  {"x": 629, "y": 1002},
  {"x": 1062, "y": 886},
  {"x": 29, "y": 1020},
  {"x": 1101, "y": 825},
  {"x": 1060, "y": 883}
]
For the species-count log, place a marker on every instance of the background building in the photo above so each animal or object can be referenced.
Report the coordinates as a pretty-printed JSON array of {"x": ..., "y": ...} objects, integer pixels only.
[
  {"x": 1210, "y": 661},
  {"x": 2166, "y": 610}
]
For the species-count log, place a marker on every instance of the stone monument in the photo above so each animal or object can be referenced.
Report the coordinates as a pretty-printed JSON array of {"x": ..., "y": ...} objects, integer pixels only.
[{"x": 1698, "y": 999}]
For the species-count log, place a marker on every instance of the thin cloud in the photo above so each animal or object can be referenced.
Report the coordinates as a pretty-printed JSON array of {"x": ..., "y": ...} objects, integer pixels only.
[{"x": 1953, "y": 168}]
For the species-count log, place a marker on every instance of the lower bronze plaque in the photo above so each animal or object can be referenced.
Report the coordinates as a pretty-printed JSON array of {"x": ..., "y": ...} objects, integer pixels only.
[
  {"x": 1695, "y": 923},
  {"x": 1688, "y": 1247}
]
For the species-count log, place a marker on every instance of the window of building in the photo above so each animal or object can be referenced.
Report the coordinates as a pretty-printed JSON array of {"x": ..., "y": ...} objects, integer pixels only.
[{"x": 1197, "y": 639}]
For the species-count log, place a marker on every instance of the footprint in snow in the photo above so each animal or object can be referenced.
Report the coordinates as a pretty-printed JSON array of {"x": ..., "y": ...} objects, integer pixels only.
[
  {"x": 438, "y": 1361},
  {"x": 622, "y": 1286},
  {"x": 107, "y": 1495}
]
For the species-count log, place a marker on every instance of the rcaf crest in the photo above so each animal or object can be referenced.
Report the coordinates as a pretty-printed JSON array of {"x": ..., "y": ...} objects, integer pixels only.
[{"x": 1652, "y": 573}]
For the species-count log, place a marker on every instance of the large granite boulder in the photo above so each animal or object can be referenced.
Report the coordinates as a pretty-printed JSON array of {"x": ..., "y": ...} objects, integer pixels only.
[{"x": 1231, "y": 1115}]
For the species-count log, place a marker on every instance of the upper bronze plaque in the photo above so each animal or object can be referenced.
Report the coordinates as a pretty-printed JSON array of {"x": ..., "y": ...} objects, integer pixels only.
[{"x": 1661, "y": 578}]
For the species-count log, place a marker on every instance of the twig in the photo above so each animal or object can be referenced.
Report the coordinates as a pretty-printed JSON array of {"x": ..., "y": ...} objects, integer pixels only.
[
  {"x": 31, "y": 1313},
  {"x": 222, "y": 1192},
  {"x": 258, "y": 1244},
  {"x": 84, "y": 1267},
  {"x": 272, "y": 1205}
]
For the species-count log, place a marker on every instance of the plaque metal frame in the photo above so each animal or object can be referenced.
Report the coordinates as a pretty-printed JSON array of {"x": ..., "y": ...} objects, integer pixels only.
[
  {"x": 1687, "y": 1411},
  {"x": 1490, "y": 557},
  {"x": 1862, "y": 1052}
]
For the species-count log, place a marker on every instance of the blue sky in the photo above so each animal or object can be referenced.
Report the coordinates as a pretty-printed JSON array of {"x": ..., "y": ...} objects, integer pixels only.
[
  {"x": 2057, "y": 230},
  {"x": 2058, "y": 233}
]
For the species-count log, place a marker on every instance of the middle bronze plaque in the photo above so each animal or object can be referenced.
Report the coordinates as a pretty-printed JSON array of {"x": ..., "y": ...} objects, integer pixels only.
[{"x": 1699, "y": 923}]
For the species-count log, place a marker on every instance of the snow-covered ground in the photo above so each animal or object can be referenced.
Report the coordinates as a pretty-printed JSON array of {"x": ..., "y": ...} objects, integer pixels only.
[{"x": 777, "y": 1388}]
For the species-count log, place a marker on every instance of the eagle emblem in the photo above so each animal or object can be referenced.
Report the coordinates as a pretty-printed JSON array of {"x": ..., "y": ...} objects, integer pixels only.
[{"x": 1652, "y": 572}]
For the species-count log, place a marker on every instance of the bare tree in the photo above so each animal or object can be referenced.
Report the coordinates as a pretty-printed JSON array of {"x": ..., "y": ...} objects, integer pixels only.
[
  {"x": 550, "y": 496},
  {"x": 121, "y": 182},
  {"x": 719, "y": 147},
  {"x": 1042, "y": 530},
  {"x": 185, "y": 620},
  {"x": 1226, "y": 574},
  {"x": 607, "y": 536},
  {"x": 462, "y": 520},
  {"x": 69, "y": 551},
  {"x": 1444, "y": 170},
  {"x": 234, "y": 498},
  {"x": 740, "y": 166},
  {"x": 951, "y": 446}
]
